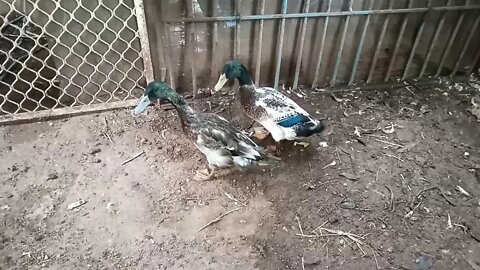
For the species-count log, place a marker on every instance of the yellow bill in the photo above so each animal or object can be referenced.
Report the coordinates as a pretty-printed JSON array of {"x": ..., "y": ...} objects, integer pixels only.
[{"x": 221, "y": 82}]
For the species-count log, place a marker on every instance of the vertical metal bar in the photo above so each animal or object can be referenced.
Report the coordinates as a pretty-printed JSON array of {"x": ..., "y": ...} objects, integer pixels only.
[
  {"x": 236, "y": 45},
  {"x": 302, "y": 41},
  {"x": 450, "y": 42},
  {"x": 475, "y": 59},
  {"x": 360, "y": 45},
  {"x": 168, "y": 53},
  {"x": 397, "y": 44},
  {"x": 465, "y": 46},
  {"x": 415, "y": 44},
  {"x": 281, "y": 33},
  {"x": 322, "y": 45},
  {"x": 433, "y": 42},
  {"x": 379, "y": 45},
  {"x": 342, "y": 43},
  {"x": 260, "y": 41},
  {"x": 144, "y": 41},
  {"x": 191, "y": 46},
  {"x": 214, "y": 74}
]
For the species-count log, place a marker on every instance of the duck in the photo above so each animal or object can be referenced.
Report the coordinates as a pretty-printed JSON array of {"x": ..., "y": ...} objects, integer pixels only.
[
  {"x": 223, "y": 145},
  {"x": 284, "y": 119}
]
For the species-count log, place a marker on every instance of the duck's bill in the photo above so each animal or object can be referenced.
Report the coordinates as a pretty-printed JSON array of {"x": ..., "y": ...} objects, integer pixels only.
[
  {"x": 142, "y": 106},
  {"x": 221, "y": 82}
]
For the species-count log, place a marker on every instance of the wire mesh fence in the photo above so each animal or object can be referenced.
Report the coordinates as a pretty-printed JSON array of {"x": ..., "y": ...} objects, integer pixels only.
[{"x": 63, "y": 54}]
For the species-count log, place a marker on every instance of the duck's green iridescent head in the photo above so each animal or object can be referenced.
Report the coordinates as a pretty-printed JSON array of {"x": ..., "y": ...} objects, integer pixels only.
[
  {"x": 156, "y": 90},
  {"x": 232, "y": 70}
]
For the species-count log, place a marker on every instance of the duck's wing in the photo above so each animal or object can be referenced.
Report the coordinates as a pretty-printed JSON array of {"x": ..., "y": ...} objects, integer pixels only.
[
  {"x": 281, "y": 109},
  {"x": 217, "y": 133}
]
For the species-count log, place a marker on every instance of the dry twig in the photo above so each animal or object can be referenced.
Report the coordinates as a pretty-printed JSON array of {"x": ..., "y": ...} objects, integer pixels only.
[
  {"x": 391, "y": 206},
  {"x": 428, "y": 189},
  {"x": 389, "y": 143},
  {"x": 217, "y": 219},
  {"x": 233, "y": 199},
  {"x": 132, "y": 158}
]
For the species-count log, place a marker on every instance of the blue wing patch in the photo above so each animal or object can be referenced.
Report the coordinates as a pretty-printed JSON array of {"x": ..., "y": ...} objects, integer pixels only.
[{"x": 292, "y": 120}]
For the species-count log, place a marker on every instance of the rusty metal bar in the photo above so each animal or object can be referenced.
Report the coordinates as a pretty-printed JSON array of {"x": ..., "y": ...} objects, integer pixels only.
[
  {"x": 465, "y": 46},
  {"x": 144, "y": 41},
  {"x": 322, "y": 45},
  {"x": 44, "y": 115},
  {"x": 379, "y": 45},
  {"x": 322, "y": 14},
  {"x": 214, "y": 72},
  {"x": 281, "y": 33},
  {"x": 191, "y": 45},
  {"x": 342, "y": 43},
  {"x": 236, "y": 44},
  {"x": 416, "y": 42},
  {"x": 433, "y": 42},
  {"x": 475, "y": 60},
  {"x": 168, "y": 53},
  {"x": 397, "y": 44},
  {"x": 450, "y": 42},
  {"x": 360, "y": 45},
  {"x": 260, "y": 41},
  {"x": 302, "y": 42}
]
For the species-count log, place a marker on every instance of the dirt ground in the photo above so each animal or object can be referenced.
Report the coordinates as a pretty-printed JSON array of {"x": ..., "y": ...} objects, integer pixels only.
[{"x": 361, "y": 182}]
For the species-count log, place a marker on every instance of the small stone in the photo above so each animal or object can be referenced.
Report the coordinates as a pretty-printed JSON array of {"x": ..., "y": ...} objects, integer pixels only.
[
  {"x": 348, "y": 205},
  {"x": 52, "y": 176},
  {"x": 423, "y": 263},
  {"x": 95, "y": 151}
]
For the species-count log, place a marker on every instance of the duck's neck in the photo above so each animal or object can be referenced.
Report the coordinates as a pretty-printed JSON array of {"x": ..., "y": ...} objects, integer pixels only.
[
  {"x": 184, "y": 110},
  {"x": 245, "y": 78}
]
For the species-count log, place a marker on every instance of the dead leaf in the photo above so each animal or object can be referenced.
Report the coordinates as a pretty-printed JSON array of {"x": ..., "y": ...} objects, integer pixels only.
[{"x": 304, "y": 144}]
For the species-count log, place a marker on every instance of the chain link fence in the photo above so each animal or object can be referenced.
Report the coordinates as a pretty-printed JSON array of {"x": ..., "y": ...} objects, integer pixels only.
[{"x": 63, "y": 54}]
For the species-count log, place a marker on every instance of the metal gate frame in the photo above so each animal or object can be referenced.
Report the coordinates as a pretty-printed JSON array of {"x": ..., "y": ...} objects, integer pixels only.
[
  {"x": 37, "y": 115},
  {"x": 190, "y": 21}
]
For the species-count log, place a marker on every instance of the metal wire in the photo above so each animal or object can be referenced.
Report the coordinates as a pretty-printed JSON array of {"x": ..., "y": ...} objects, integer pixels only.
[{"x": 57, "y": 54}]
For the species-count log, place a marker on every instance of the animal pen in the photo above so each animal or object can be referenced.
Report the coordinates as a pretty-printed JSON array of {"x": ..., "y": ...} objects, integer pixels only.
[{"x": 66, "y": 57}]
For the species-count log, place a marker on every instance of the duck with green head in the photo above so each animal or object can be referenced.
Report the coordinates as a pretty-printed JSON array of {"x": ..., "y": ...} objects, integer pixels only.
[
  {"x": 222, "y": 144},
  {"x": 281, "y": 116}
]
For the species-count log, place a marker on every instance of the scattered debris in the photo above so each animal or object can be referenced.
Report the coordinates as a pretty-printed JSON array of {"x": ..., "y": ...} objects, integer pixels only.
[
  {"x": 349, "y": 176},
  {"x": 323, "y": 144},
  {"x": 463, "y": 191},
  {"x": 233, "y": 199},
  {"x": 389, "y": 143},
  {"x": 449, "y": 222},
  {"x": 423, "y": 263},
  {"x": 333, "y": 163},
  {"x": 389, "y": 130},
  {"x": 52, "y": 176},
  {"x": 304, "y": 144},
  {"x": 348, "y": 205},
  {"x": 217, "y": 219},
  {"x": 132, "y": 158},
  {"x": 356, "y": 132},
  {"x": 76, "y": 204},
  {"x": 6, "y": 207},
  {"x": 337, "y": 99}
]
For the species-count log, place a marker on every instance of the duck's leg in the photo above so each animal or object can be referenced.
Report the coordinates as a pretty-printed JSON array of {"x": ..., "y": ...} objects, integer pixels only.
[{"x": 204, "y": 175}]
